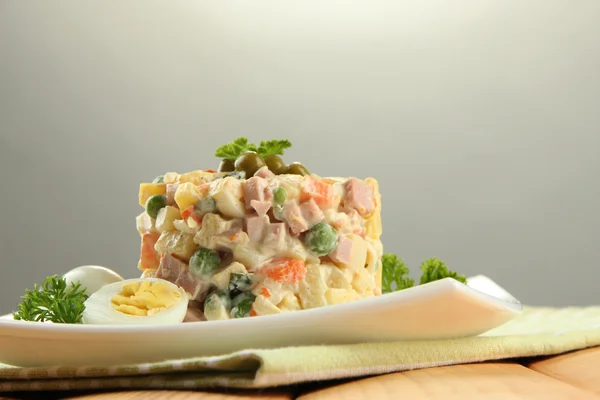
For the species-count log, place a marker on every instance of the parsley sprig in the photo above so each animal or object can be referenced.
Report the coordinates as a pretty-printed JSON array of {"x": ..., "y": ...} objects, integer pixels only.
[
  {"x": 395, "y": 275},
  {"x": 234, "y": 149},
  {"x": 52, "y": 301},
  {"x": 273, "y": 147},
  {"x": 239, "y": 146},
  {"x": 435, "y": 269}
]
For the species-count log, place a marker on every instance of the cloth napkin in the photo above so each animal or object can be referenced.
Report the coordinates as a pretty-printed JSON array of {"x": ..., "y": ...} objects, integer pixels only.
[{"x": 536, "y": 332}]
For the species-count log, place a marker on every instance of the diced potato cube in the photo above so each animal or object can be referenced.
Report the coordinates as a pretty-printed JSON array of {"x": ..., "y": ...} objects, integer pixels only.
[
  {"x": 339, "y": 296},
  {"x": 289, "y": 303},
  {"x": 187, "y": 194},
  {"x": 165, "y": 218},
  {"x": 295, "y": 248},
  {"x": 373, "y": 221},
  {"x": 219, "y": 233},
  {"x": 177, "y": 243},
  {"x": 197, "y": 177},
  {"x": 148, "y": 190},
  {"x": 334, "y": 278},
  {"x": 291, "y": 184},
  {"x": 363, "y": 282},
  {"x": 215, "y": 308},
  {"x": 148, "y": 273},
  {"x": 248, "y": 256},
  {"x": 171, "y": 177},
  {"x": 373, "y": 226},
  {"x": 312, "y": 289},
  {"x": 221, "y": 278},
  {"x": 262, "y": 306},
  {"x": 374, "y": 253},
  {"x": 358, "y": 254},
  {"x": 145, "y": 223},
  {"x": 378, "y": 280},
  {"x": 228, "y": 194}
]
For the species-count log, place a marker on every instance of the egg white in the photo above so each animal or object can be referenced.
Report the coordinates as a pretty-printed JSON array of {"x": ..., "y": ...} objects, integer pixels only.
[
  {"x": 99, "y": 311},
  {"x": 91, "y": 277}
]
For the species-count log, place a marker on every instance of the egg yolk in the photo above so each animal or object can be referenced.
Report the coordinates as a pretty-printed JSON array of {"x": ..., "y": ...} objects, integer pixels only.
[{"x": 144, "y": 299}]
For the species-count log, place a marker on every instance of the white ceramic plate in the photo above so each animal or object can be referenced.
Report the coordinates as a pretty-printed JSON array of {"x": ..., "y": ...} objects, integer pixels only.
[{"x": 438, "y": 310}]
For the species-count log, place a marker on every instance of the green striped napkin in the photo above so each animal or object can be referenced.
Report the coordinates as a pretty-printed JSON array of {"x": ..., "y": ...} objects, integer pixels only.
[{"x": 536, "y": 332}]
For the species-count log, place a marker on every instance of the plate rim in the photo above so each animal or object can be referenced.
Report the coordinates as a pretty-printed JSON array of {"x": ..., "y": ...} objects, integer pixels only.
[{"x": 31, "y": 328}]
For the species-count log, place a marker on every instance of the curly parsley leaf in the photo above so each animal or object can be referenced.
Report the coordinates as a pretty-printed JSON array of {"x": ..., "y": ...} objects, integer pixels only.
[
  {"x": 435, "y": 269},
  {"x": 273, "y": 147},
  {"x": 240, "y": 145},
  {"x": 395, "y": 274},
  {"x": 233, "y": 150},
  {"x": 52, "y": 301}
]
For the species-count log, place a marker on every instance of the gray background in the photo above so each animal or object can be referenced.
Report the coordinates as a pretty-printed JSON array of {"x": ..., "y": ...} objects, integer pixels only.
[{"x": 479, "y": 118}]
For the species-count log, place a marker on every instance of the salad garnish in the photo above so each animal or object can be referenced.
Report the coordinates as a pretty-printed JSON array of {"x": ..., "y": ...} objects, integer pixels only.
[
  {"x": 52, "y": 301},
  {"x": 234, "y": 149},
  {"x": 396, "y": 277},
  {"x": 239, "y": 146},
  {"x": 435, "y": 269},
  {"x": 395, "y": 272},
  {"x": 243, "y": 156}
]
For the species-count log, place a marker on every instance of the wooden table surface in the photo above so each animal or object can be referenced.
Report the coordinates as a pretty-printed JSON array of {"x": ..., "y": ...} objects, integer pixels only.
[{"x": 574, "y": 375}]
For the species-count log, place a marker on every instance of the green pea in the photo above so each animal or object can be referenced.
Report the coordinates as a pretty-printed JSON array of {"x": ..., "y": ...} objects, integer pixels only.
[
  {"x": 242, "y": 304},
  {"x": 321, "y": 239},
  {"x": 275, "y": 164},
  {"x": 205, "y": 206},
  {"x": 239, "y": 282},
  {"x": 279, "y": 195},
  {"x": 297, "y": 169},
  {"x": 204, "y": 262},
  {"x": 159, "y": 179},
  {"x": 226, "y": 165},
  {"x": 154, "y": 204}
]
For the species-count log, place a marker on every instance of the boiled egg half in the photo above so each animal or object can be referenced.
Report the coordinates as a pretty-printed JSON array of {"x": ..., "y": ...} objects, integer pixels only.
[
  {"x": 91, "y": 277},
  {"x": 142, "y": 301}
]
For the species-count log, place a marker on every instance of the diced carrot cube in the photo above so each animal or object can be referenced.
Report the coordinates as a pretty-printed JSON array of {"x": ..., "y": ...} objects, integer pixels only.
[
  {"x": 190, "y": 212},
  {"x": 149, "y": 258},
  {"x": 289, "y": 270},
  {"x": 317, "y": 189},
  {"x": 265, "y": 292}
]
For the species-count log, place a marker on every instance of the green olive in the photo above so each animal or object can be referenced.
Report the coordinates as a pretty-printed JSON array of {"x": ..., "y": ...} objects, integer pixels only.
[
  {"x": 276, "y": 164},
  {"x": 227, "y": 165},
  {"x": 249, "y": 162},
  {"x": 297, "y": 169}
]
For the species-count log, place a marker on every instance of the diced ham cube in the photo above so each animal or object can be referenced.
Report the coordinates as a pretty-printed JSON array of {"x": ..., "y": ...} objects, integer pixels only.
[
  {"x": 194, "y": 286},
  {"x": 275, "y": 236},
  {"x": 359, "y": 196},
  {"x": 171, "y": 189},
  {"x": 177, "y": 272},
  {"x": 343, "y": 251},
  {"x": 169, "y": 268},
  {"x": 264, "y": 172},
  {"x": 256, "y": 227},
  {"x": 261, "y": 207},
  {"x": 194, "y": 312},
  {"x": 292, "y": 214},
  {"x": 311, "y": 213},
  {"x": 256, "y": 188}
]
